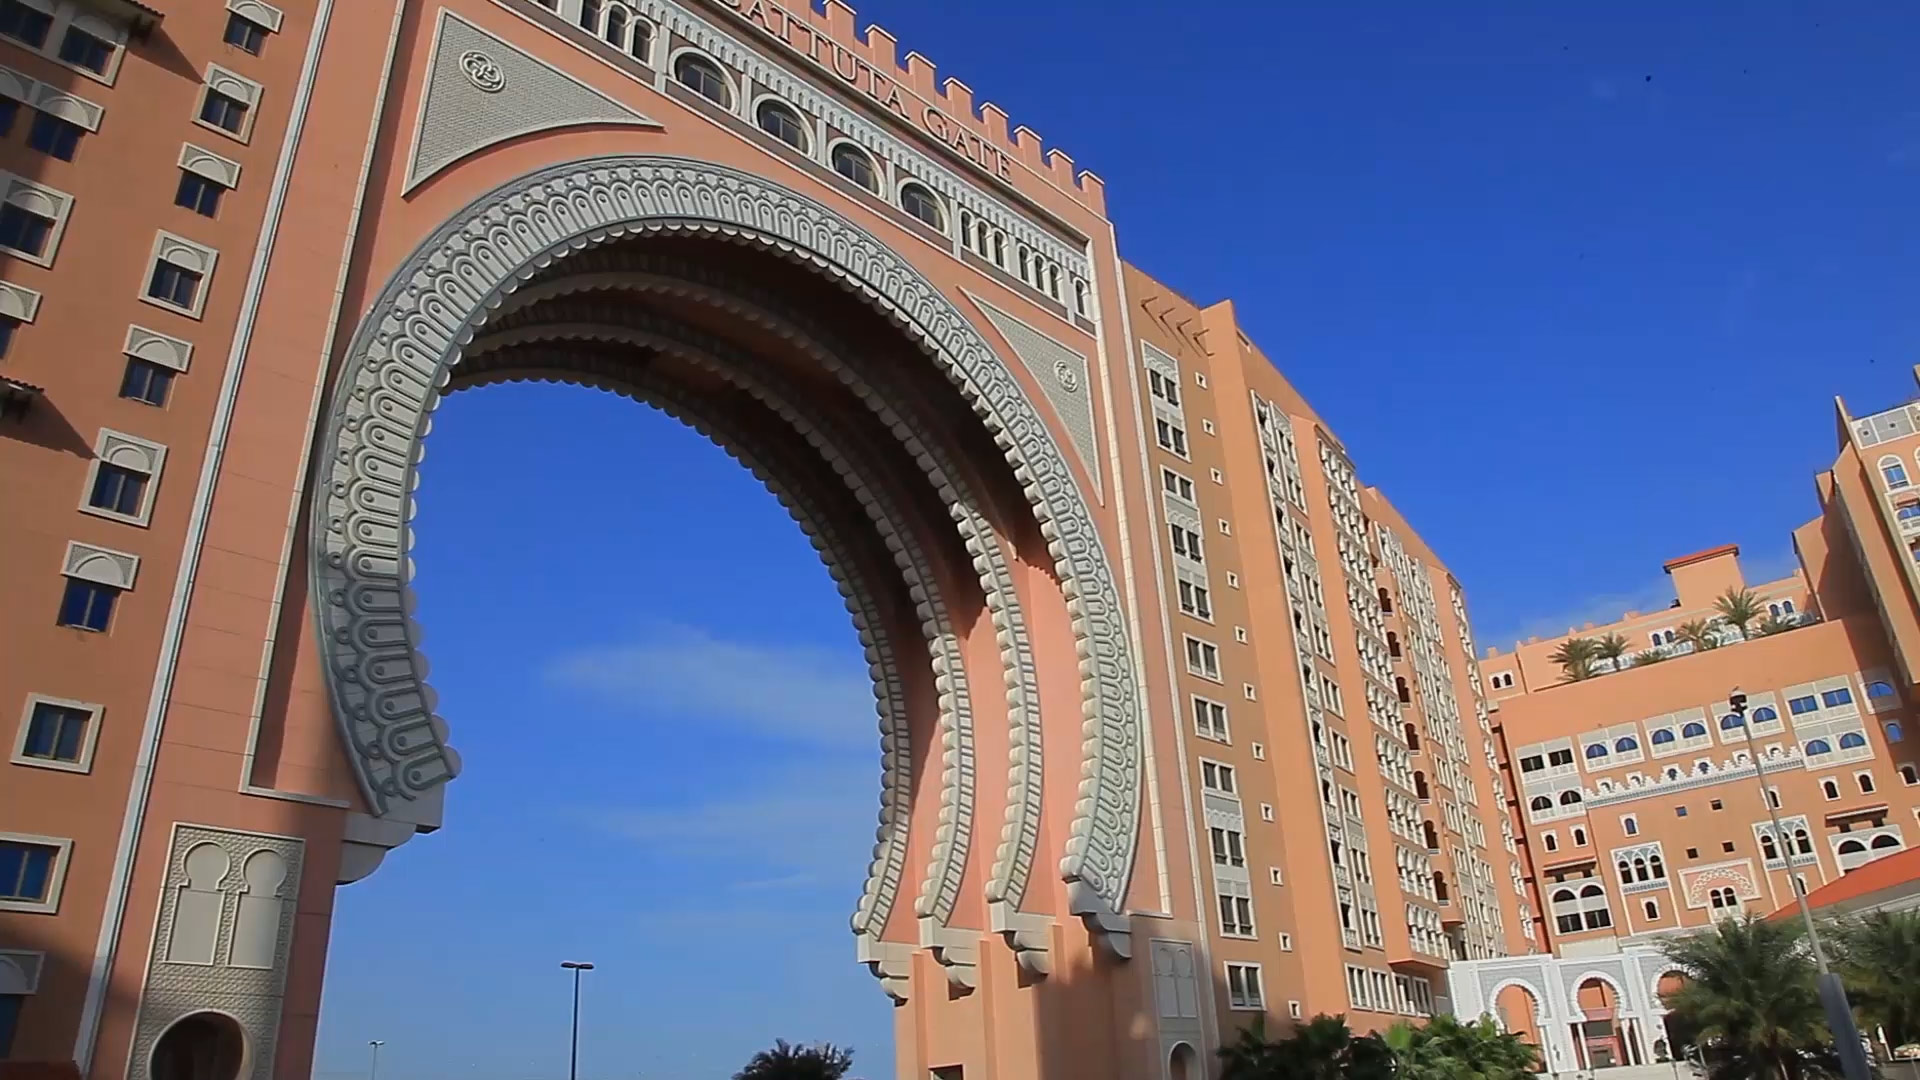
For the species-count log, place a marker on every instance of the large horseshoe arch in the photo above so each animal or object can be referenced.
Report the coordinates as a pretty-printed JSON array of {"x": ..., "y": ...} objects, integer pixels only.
[{"x": 414, "y": 335}]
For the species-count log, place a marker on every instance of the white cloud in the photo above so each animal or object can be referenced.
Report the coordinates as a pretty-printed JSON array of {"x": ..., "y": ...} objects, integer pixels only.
[
  {"x": 1603, "y": 608},
  {"x": 797, "y": 691}
]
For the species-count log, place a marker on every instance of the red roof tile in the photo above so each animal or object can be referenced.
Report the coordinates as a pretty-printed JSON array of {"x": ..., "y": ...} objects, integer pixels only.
[
  {"x": 1701, "y": 556},
  {"x": 1876, "y": 876}
]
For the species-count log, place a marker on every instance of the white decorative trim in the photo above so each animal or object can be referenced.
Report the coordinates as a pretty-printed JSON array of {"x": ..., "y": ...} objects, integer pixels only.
[
  {"x": 129, "y": 452},
  {"x": 410, "y": 338},
  {"x": 238, "y": 87},
  {"x": 258, "y": 11},
  {"x": 47, "y": 202},
  {"x": 18, "y": 302},
  {"x": 56, "y": 877},
  {"x": 158, "y": 348},
  {"x": 102, "y": 566},
  {"x": 84, "y": 763},
  {"x": 203, "y": 162},
  {"x": 20, "y": 971},
  {"x": 188, "y": 255},
  {"x": 74, "y": 110}
]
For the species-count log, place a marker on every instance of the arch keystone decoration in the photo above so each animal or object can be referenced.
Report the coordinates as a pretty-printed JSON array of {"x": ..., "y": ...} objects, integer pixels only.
[{"x": 401, "y": 357}]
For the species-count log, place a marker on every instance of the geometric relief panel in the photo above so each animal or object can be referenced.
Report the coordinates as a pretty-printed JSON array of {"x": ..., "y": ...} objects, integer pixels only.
[
  {"x": 222, "y": 939},
  {"x": 1736, "y": 874}
]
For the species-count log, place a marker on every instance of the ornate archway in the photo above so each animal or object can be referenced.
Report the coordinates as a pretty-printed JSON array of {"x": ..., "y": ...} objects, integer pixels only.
[{"x": 581, "y": 272}]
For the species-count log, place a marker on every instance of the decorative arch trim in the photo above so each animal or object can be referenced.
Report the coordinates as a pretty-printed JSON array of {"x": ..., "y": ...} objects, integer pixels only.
[{"x": 399, "y": 360}]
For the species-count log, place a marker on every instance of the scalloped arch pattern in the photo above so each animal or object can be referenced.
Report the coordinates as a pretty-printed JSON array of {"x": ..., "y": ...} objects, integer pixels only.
[{"x": 399, "y": 360}]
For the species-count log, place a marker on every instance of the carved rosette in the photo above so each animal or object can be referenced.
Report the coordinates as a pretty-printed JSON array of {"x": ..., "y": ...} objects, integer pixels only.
[{"x": 399, "y": 359}]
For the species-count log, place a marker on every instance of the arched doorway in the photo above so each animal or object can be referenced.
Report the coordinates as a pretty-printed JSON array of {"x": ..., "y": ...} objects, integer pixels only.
[
  {"x": 1184, "y": 1063},
  {"x": 1603, "y": 1037},
  {"x": 1519, "y": 1013},
  {"x": 200, "y": 1046}
]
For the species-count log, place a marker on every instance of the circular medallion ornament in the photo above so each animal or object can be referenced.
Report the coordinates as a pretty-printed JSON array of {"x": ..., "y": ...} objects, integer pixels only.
[
  {"x": 482, "y": 72},
  {"x": 1069, "y": 378}
]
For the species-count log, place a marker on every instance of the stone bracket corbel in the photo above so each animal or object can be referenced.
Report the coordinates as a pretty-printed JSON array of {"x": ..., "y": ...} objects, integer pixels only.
[
  {"x": 1111, "y": 931},
  {"x": 366, "y": 843},
  {"x": 1027, "y": 935},
  {"x": 890, "y": 961},
  {"x": 957, "y": 950}
]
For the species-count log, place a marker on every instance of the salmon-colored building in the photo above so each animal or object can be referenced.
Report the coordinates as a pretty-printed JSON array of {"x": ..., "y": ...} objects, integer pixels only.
[
  {"x": 1179, "y": 723},
  {"x": 1643, "y": 791}
]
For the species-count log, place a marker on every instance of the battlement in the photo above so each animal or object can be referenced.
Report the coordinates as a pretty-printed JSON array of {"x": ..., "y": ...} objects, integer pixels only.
[{"x": 943, "y": 110}]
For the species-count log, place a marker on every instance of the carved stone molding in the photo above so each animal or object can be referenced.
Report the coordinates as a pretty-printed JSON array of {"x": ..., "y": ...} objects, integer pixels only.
[{"x": 399, "y": 359}]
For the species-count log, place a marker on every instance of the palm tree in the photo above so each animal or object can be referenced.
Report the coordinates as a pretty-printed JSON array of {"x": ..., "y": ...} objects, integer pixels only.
[
  {"x": 1575, "y": 657},
  {"x": 1320, "y": 1049},
  {"x": 786, "y": 1061},
  {"x": 1700, "y": 633},
  {"x": 1774, "y": 624},
  {"x": 1611, "y": 647},
  {"x": 1651, "y": 656},
  {"x": 1739, "y": 607},
  {"x": 1447, "y": 1049},
  {"x": 1879, "y": 953},
  {"x": 1749, "y": 990}
]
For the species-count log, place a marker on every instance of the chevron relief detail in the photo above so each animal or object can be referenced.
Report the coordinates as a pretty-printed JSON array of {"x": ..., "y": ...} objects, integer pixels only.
[
  {"x": 1061, "y": 373},
  {"x": 482, "y": 91}
]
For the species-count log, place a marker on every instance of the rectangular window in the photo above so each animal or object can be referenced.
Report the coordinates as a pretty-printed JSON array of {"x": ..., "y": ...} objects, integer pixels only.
[
  {"x": 1210, "y": 719},
  {"x": 1243, "y": 987},
  {"x": 198, "y": 194},
  {"x": 146, "y": 382},
  {"x": 1236, "y": 916},
  {"x": 1203, "y": 658},
  {"x": 118, "y": 490},
  {"x": 1171, "y": 437},
  {"x": 1186, "y": 542},
  {"x": 26, "y": 871},
  {"x": 1194, "y": 600},
  {"x": 1560, "y": 757},
  {"x": 1833, "y": 699},
  {"x": 56, "y": 733},
  {"x": 8, "y": 324},
  {"x": 1229, "y": 847},
  {"x": 229, "y": 114},
  {"x": 1178, "y": 486},
  {"x": 1532, "y": 763},
  {"x": 175, "y": 285},
  {"x": 1679, "y": 811},
  {"x": 1801, "y": 706},
  {"x": 87, "y": 605},
  {"x": 1216, "y": 777},
  {"x": 24, "y": 231},
  {"x": 9, "y": 111},
  {"x": 84, "y": 50},
  {"x": 1164, "y": 387},
  {"x": 245, "y": 34},
  {"x": 24, "y": 24}
]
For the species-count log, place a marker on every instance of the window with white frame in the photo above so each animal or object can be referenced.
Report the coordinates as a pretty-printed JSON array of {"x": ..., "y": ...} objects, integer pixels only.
[
  {"x": 123, "y": 477},
  {"x": 1163, "y": 386},
  {"x": 1203, "y": 658},
  {"x": 1236, "y": 916},
  {"x": 1215, "y": 776},
  {"x": 56, "y": 733},
  {"x": 180, "y": 274},
  {"x": 1229, "y": 846},
  {"x": 1171, "y": 436},
  {"x": 205, "y": 177},
  {"x": 1186, "y": 542},
  {"x": 1244, "y": 991},
  {"x": 96, "y": 577},
  {"x": 32, "y": 219},
  {"x": 1195, "y": 599},
  {"x": 1210, "y": 719},
  {"x": 1177, "y": 485},
  {"x": 249, "y": 22},
  {"x": 229, "y": 103}
]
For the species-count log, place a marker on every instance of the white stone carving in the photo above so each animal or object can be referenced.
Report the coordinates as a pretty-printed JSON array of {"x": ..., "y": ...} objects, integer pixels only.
[
  {"x": 102, "y": 566},
  {"x": 482, "y": 72}
]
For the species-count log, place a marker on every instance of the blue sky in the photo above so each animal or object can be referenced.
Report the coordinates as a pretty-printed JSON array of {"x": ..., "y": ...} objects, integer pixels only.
[{"x": 1577, "y": 288}]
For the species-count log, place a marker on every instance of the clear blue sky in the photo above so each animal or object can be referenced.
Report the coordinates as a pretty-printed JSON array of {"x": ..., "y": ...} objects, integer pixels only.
[{"x": 1577, "y": 288}]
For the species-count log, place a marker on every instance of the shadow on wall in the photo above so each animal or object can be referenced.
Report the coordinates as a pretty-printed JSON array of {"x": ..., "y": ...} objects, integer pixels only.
[{"x": 40, "y": 978}]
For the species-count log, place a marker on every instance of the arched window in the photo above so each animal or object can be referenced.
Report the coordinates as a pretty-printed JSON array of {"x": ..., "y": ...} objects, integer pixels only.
[
  {"x": 1671, "y": 773},
  {"x": 1909, "y": 775},
  {"x": 915, "y": 199},
  {"x": 1893, "y": 472},
  {"x": 702, "y": 76},
  {"x": 1773, "y": 610},
  {"x": 1597, "y": 750},
  {"x": 1851, "y": 740},
  {"x": 782, "y": 123},
  {"x": 1630, "y": 826},
  {"x": 1885, "y": 840},
  {"x": 1564, "y": 896},
  {"x": 1768, "y": 847},
  {"x": 1663, "y": 736},
  {"x": 1694, "y": 730},
  {"x": 1627, "y": 745},
  {"x": 1550, "y": 842},
  {"x": 1626, "y": 873},
  {"x": 1639, "y": 869},
  {"x": 1731, "y": 721},
  {"x": 853, "y": 163},
  {"x": 590, "y": 16},
  {"x": 616, "y": 30},
  {"x": 1668, "y": 634},
  {"x": 1541, "y": 802},
  {"x": 1802, "y": 843},
  {"x": 1659, "y": 868},
  {"x": 1080, "y": 297},
  {"x": 1023, "y": 263},
  {"x": 1908, "y": 511},
  {"x": 1830, "y": 789},
  {"x": 1879, "y": 690},
  {"x": 1851, "y": 847},
  {"x": 640, "y": 47},
  {"x": 1765, "y": 714},
  {"x": 1786, "y": 606},
  {"x": 1053, "y": 281},
  {"x": 1568, "y": 798},
  {"x": 999, "y": 248}
]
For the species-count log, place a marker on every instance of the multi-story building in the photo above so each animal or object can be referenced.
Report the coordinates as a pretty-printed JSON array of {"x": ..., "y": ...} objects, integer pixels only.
[
  {"x": 1180, "y": 722},
  {"x": 1643, "y": 794}
]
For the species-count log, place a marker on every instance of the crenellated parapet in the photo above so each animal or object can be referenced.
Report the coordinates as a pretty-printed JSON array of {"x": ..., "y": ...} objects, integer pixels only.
[{"x": 909, "y": 89}]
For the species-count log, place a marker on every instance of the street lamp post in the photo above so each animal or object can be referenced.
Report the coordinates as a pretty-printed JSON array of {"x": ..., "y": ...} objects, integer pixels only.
[
  {"x": 1833, "y": 993},
  {"x": 573, "y": 1053},
  {"x": 373, "y": 1067}
]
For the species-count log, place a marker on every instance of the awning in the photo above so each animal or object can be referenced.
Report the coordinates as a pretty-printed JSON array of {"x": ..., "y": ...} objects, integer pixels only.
[
  {"x": 138, "y": 18},
  {"x": 17, "y": 397}
]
